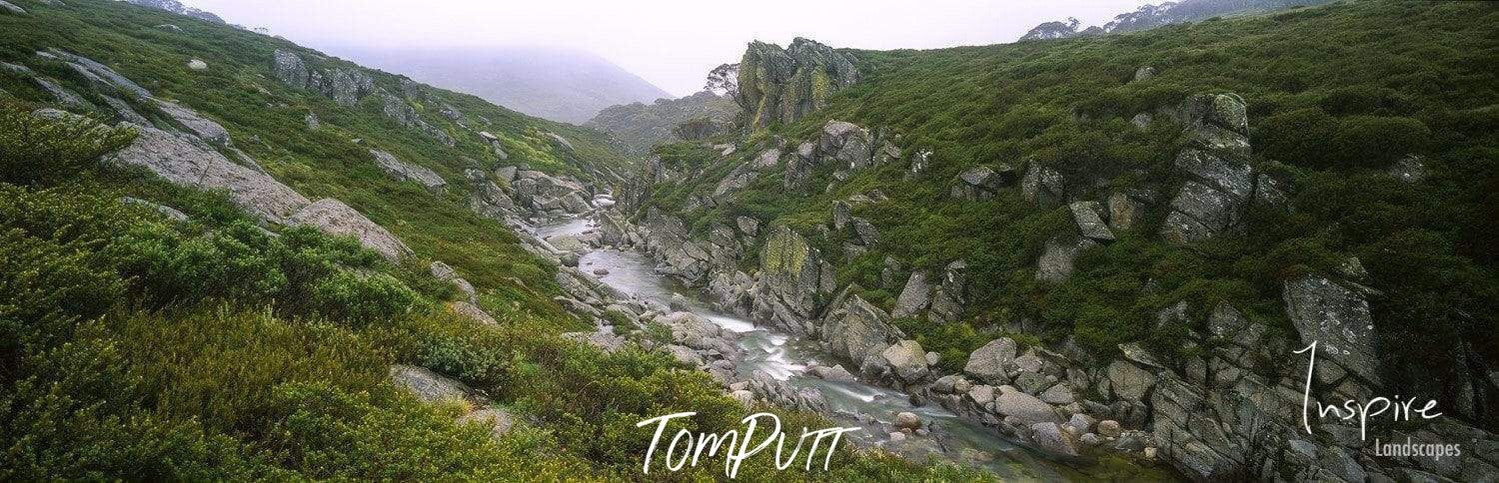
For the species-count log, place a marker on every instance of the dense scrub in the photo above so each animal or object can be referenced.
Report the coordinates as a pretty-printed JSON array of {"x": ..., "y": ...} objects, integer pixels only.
[{"x": 1336, "y": 95}]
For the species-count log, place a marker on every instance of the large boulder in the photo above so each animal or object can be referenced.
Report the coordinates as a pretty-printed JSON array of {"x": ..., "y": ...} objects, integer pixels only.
[
  {"x": 1055, "y": 264},
  {"x": 1050, "y": 437},
  {"x": 1089, "y": 219},
  {"x": 1216, "y": 122},
  {"x": 907, "y": 360},
  {"x": 1025, "y": 408},
  {"x": 1214, "y": 199},
  {"x": 335, "y": 217},
  {"x": 989, "y": 363},
  {"x": 1129, "y": 381},
  {"x": 980, "y": 183},
  {"x": 857, "y": 330},
  {"x": 914, "y": 298},
  {"x": 783, "y": 85},
  {"x": 1043, "y": 186},
  {"x": 1337, "y": 319},
  {"x": 850, "y": 145},
  {"x": 427, "y": 385}
]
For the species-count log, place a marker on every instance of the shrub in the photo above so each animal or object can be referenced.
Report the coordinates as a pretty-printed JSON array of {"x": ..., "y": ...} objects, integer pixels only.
[
  {"x": 360, "y": 299},
  {"x": 37, "y": 150}
]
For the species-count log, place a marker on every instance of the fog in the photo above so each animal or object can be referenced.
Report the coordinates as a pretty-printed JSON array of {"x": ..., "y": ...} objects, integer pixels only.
[{"x": 671, "y": 43}]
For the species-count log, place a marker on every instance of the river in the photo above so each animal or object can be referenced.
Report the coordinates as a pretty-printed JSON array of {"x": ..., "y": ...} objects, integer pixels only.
[{"x": 787, "y": 358}]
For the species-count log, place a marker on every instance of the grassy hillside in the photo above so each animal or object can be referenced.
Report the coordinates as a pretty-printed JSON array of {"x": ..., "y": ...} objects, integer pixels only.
[
  {"x": 137, "y": 346},
  {"x": 267, "y": 120},
  {"x": 1335, "y": 94}
]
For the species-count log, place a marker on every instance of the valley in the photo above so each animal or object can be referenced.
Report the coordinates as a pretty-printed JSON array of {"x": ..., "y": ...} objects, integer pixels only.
[{"x": 1077, "y": 257}]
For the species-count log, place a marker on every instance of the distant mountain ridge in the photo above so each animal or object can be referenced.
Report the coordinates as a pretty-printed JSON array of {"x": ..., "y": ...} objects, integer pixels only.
[
  {"x": 177, "y": 7},
  {"x": 1166, "y": 13},
  {"x": 557, "y": 84},
  {"x": 640, "y": 126}
]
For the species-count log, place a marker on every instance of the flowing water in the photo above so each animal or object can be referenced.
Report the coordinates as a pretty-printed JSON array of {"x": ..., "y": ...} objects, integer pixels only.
[{"x": 854, "y": 404}]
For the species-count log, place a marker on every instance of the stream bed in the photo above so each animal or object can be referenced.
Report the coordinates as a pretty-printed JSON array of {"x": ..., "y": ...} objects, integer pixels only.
[{"x": 952, "y": 438}]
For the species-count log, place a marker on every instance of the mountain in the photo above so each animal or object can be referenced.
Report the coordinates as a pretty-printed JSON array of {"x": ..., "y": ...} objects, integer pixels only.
[
  {"x": 225, "y": 256},
  {"x": 1138, "y": 230},
  {"x": 640, "y": 126},
  {"x": 558, "y": 84},
  {"x": 1165, "y": 13}
]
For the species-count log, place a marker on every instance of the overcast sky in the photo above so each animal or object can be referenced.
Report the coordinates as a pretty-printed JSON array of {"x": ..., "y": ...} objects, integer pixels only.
[{"x": 671, "y": 43}]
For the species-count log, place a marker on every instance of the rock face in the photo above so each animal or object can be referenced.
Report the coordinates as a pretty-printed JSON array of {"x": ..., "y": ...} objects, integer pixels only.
[
  {"x": 344, "y": 86},
  {"x": 487, "y": 198},
  {"x": 791, "y": 279},
  {"x": 783, "y": 85},
  {"x": 189, "y": 161},
  {"x": 1337, "y": 319},
  {"x": 407, "y": 171},
  {"x": 335, "y": 217}
]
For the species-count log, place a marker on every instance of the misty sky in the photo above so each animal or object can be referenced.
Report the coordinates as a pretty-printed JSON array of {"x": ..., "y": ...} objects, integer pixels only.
[{"x": 671, "y": 43}]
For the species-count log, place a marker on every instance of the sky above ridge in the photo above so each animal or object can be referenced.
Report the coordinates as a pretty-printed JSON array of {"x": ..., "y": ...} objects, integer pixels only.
[{"x": 671, "y": 43}]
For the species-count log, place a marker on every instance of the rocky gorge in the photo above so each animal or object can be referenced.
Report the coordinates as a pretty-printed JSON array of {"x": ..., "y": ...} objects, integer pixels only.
[{"x": 1232, "y": 409}]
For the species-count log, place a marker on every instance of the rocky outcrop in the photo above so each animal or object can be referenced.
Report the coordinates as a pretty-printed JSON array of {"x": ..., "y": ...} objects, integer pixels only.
[
  {"x": 914, "y": 298},
  {"x": 400, "y": 111},
  {"x": 187, "y": 160},
  {"x": 991, "y": 363},
  {"x": 1218, "y": 184},
  {"x": 12, "y": 8},
  {"x": 335, "y": 217},
  {"x": 1088, "y": 215},
  {"x": 550, "y": 197},
  {"x": 406, "y": 171},
  {"x": 194, "y": 123},
  {"x": 346, "y": 86},
  {"x": 783, "y": 85},
  {"x": 118, "y": 82},
  {"x": 487, "y": 198},
  {"x": 1043, "y": 186}
]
